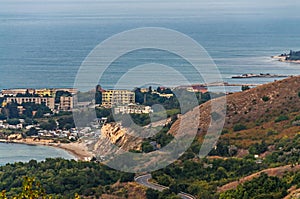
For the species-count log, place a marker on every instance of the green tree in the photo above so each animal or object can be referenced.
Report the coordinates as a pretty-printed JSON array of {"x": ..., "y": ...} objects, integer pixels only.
[
  {"x": 32, "y": 131},
  {"x": 13, "y": 111},
  {"x": 152, "y": 194},
  {"x": 265, "y": 98},
  {"x": 245, "y": 87},
  {"x": 50, "y": 125},
  {"x": 13, "y": 121},
  {"x": 239, "y": 127},
  {"x": 147, "y": 147}
]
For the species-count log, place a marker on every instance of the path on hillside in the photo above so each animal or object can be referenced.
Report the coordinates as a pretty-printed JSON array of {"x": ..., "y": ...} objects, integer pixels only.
[
  {"x": 278, "y": 171},
  {"x": 144, "y": 181},
  {"x": 293, "y": 194}
]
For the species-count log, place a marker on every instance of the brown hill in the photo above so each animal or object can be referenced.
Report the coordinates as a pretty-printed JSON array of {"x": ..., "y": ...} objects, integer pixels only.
[
  {"x": 256, "y": 109},
  {"x": 278, "y": 171}
]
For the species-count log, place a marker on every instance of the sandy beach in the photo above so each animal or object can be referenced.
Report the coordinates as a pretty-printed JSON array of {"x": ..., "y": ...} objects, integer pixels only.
[{"x": 77, "y": 149}]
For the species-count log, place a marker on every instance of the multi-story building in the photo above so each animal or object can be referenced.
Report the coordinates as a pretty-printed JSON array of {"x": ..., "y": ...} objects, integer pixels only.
[
  {"x": 66, "y": 103},
  {"x": 117, "y": 97},
  {"x": 40, "y": 96},
  {"x": 43, "y": 92},
  {"x": 49, "y": 102},
  {"x": 14, "y": 92}
]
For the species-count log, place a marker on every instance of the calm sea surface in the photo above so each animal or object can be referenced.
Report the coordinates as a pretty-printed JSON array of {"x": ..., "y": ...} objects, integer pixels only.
[
  {"x": 47, "y": 51},
  {"x": 10, "y": 153}
]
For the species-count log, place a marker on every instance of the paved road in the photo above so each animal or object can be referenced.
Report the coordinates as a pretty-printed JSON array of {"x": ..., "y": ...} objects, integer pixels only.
[
  {"x": 186, "y": 196},
  {"x": 144, "y": 181}
]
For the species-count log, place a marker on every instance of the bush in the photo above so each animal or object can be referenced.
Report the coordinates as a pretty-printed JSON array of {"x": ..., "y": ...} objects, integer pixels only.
[
  {"x": 2, "y": 117},
  {"x": 152, "y": 194},
  {"x": 147, "y": 147},
  {"x": 239, "y": 127},
  {"x": 258, "y": 148},
  {"x": 245, "y": 87},
  {"x": 272, "y": 132},
  {"x": 265, "y": 98},
  {"x": 13, "y": 121},
  {"x": 224, "y": 131},
  {"x": 281, "y": 118},
  {"x": 297, "y": 118},
  {"x": 32, "y": 131}
]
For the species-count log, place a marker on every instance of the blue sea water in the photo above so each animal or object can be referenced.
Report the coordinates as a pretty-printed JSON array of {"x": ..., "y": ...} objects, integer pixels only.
[
  {"x": 47, "y": 50},
  {"x": 11, "y": 153}
]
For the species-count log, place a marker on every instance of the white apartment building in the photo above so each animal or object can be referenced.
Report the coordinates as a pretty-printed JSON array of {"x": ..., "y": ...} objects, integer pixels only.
[{"x": 49, "y": 102}]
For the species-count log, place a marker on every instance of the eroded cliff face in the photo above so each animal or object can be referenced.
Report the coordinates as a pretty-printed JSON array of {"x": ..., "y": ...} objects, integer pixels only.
[{"x": 115, "y": 138}]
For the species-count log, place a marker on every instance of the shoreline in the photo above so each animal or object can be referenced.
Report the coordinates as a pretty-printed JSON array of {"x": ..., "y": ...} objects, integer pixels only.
[{"x": 76, "y": 149}]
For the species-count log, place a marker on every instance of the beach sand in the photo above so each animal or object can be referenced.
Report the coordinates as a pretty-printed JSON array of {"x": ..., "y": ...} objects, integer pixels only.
[{"x": 77, "y": 149}]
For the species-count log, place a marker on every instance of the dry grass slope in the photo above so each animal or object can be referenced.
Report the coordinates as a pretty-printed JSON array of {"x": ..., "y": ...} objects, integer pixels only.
[{"x": 257, "y": 109}]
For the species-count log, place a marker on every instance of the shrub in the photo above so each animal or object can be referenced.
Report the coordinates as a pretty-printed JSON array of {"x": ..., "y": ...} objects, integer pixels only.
[
  {"x": 239, "y": 127},
  {"x": 258, "y": 148},
  {"x": 272, "y": 132},
  {"x": 224, "y": 131},
  {"x": 265, "y": 98},
  {"x": 13, "y": 121},
  {"x": 152, "y": 194},
  {"x": 281, "y": 118},
  {"x": 147, "y": 147},
  {"x": 245, "y": 87},
  {"x": 297, "y": 118}
]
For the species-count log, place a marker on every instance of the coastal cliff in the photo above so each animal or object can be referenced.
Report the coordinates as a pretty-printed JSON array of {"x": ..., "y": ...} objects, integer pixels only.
[{"x": 113, "y": 134}]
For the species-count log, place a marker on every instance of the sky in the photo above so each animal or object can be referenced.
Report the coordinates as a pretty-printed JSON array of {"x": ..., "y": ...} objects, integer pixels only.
[{"x": 154, "y": 8}]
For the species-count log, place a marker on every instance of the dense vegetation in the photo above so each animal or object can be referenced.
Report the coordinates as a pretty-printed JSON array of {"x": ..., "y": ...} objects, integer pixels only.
[
  {"x": 161, "y": 139},
  {"x": 264, "y": 187},
  {"x": 11, "y": 111},
  {"x": 62, "y": 177},
  {"x": 32, "y": 189},
  {"x": 201, "y": 178},
  {"x": 150, "y": 98}
]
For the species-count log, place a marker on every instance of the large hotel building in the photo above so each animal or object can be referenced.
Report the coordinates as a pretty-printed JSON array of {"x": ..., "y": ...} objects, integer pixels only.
[{"x": 117, "y": 97}]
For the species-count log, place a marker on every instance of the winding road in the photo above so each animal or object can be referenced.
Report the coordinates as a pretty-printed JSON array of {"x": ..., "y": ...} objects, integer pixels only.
[{"x": 144, "y": 181}]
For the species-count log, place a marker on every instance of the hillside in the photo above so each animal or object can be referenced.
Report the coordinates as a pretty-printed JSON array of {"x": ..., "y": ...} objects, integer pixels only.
[
  {"x": 278, "y": 171},
  {"x": 259, "y": 146},
  {"x": 256, "y": 110}
]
